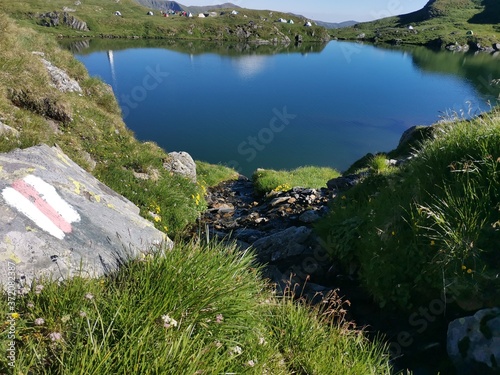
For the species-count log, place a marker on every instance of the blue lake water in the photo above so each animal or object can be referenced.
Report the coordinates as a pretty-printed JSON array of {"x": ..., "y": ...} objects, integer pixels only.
[{"x": 255, "y": 108}]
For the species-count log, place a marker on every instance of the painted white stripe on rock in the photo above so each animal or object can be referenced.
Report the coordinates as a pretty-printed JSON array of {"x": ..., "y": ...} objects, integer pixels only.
[
  {"x": 23, "y": 205},
  {"x": 50, "y": 195}
]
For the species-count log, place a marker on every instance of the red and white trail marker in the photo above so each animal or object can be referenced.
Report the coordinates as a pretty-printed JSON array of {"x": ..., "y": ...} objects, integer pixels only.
[{"x": 41, "y": 203}]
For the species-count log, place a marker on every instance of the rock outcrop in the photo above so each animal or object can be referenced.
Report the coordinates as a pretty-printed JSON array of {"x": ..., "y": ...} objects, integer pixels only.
[
  {"x": 474, "y": 342},
  {"x": 181, "y": 163},
  {"x": 60, "y": 79},
  {"x": 56, "y": 220},
  {"x": 8, "y": 131},
  {"x": 53, "y": 19}
]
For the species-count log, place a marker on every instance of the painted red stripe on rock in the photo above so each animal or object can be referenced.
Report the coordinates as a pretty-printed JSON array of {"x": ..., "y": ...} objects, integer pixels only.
[{"x": 30, "y": 193}]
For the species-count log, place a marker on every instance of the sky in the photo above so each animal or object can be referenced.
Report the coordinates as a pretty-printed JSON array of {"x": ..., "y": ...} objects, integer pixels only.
[{"x": 327, "y": 10}]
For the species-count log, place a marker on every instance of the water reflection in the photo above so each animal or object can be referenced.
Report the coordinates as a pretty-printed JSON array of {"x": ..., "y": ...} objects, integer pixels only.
[{"x": 216, "y": 100}]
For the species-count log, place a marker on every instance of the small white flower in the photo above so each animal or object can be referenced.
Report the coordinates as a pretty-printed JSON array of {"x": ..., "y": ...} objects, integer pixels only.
[
  {"x": 39, "y": 321},
  {"x": 55, "y": 336},
  {"x": 168, "y": 321},
  {"x": 89, "y": 296},
  {"x": 82, "y": 313},
  {"x": 262, "y": 341},
  {"x": 219, "y": 318},
  {"x": 30, "y": 305},
  {"x": 251, "y": 363},
  {"x": 236, "y": 350},
  {"x": 38, "y": 289}
]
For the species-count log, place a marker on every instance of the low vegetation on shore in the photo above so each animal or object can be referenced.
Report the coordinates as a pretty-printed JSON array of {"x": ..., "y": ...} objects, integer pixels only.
[
  {"x": 197, "y": 309},
  {"x": 267, "y": 180}
]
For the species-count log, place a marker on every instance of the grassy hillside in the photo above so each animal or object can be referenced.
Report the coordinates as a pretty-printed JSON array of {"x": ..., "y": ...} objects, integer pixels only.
[
  {"x": 248, "y": 25},
  {"x": 430, "y": 226},
  {"x": 88, "y": 127},
  {"x": 439, "y": 23}
]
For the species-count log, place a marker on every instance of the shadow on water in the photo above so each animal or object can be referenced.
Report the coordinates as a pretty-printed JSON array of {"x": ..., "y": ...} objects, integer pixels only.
[
  {"x": 490, "y": 14},
  {"x": 195, "y": 47},
  {"x": 481, "y": 69}
]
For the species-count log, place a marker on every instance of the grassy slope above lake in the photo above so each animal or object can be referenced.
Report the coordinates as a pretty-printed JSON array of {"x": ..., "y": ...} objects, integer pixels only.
[
  {"x": 439, "y": 23},
  {"x": 93, "y": 133},
  {"x": 248, "y": 25}
]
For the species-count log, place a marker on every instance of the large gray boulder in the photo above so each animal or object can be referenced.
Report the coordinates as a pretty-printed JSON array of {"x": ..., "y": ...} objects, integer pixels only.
[
  {"x": 181, "y": 163},
  {"x": 57, "y": 220},
  {"x": 474, "y": 342}
]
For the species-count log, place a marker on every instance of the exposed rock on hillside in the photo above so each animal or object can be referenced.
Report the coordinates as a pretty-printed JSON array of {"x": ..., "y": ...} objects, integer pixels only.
[
  {"x": 181, "y": 163},
  {"x": 52, "y": 19},
  {"x": 277, "y": 228},
  {"x": 59, "y": 77},
  {"x": 57, "y": 220}
]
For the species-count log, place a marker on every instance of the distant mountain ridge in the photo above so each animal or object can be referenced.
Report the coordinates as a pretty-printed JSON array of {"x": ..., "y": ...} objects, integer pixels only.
[
  {"x": 207, "y": 8},
  {"x": 458, "y": 25},
  {"x": 177, "y": 7},
  {"x": 336, "y": 25},
  {"x": 162, "y": 5}
]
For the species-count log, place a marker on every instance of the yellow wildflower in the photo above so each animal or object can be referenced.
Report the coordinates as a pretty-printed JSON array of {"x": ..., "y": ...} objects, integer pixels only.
[
  {"x": 432, "y": 243},
  {"x": 15, "y": 315},
  {"x": 469, "y": 271}
]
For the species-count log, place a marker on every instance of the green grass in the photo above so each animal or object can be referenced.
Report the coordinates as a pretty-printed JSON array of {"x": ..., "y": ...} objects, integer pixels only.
[
  {"x": 100, "y": 18},
  {"x": 213, "y": 174},
  {"x": 438, "y": 24},
  {"x": 196, "y": 309},
  {"x": 267, "y": 180},
  {"x": 429, "y": 226}
]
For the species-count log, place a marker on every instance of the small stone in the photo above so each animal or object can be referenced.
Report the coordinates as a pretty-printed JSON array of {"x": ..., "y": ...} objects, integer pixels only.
[
  {"x": 279, "y": 200},
  {"x": 181, "y": 163},
  {"x": 7, "y": 130}
]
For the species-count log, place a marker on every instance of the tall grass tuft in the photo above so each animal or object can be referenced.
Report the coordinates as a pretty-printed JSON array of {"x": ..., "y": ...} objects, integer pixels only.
[{"x": 195, "y": 309}]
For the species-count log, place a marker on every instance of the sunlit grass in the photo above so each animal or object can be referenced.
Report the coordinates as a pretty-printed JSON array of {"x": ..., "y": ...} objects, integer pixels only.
[
  {"x": 194, "y": 309},
  {"x": 267, "y": 180}
]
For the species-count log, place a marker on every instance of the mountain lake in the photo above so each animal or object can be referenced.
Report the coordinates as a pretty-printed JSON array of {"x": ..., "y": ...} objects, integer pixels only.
[{"x": 281, "y": 107}]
